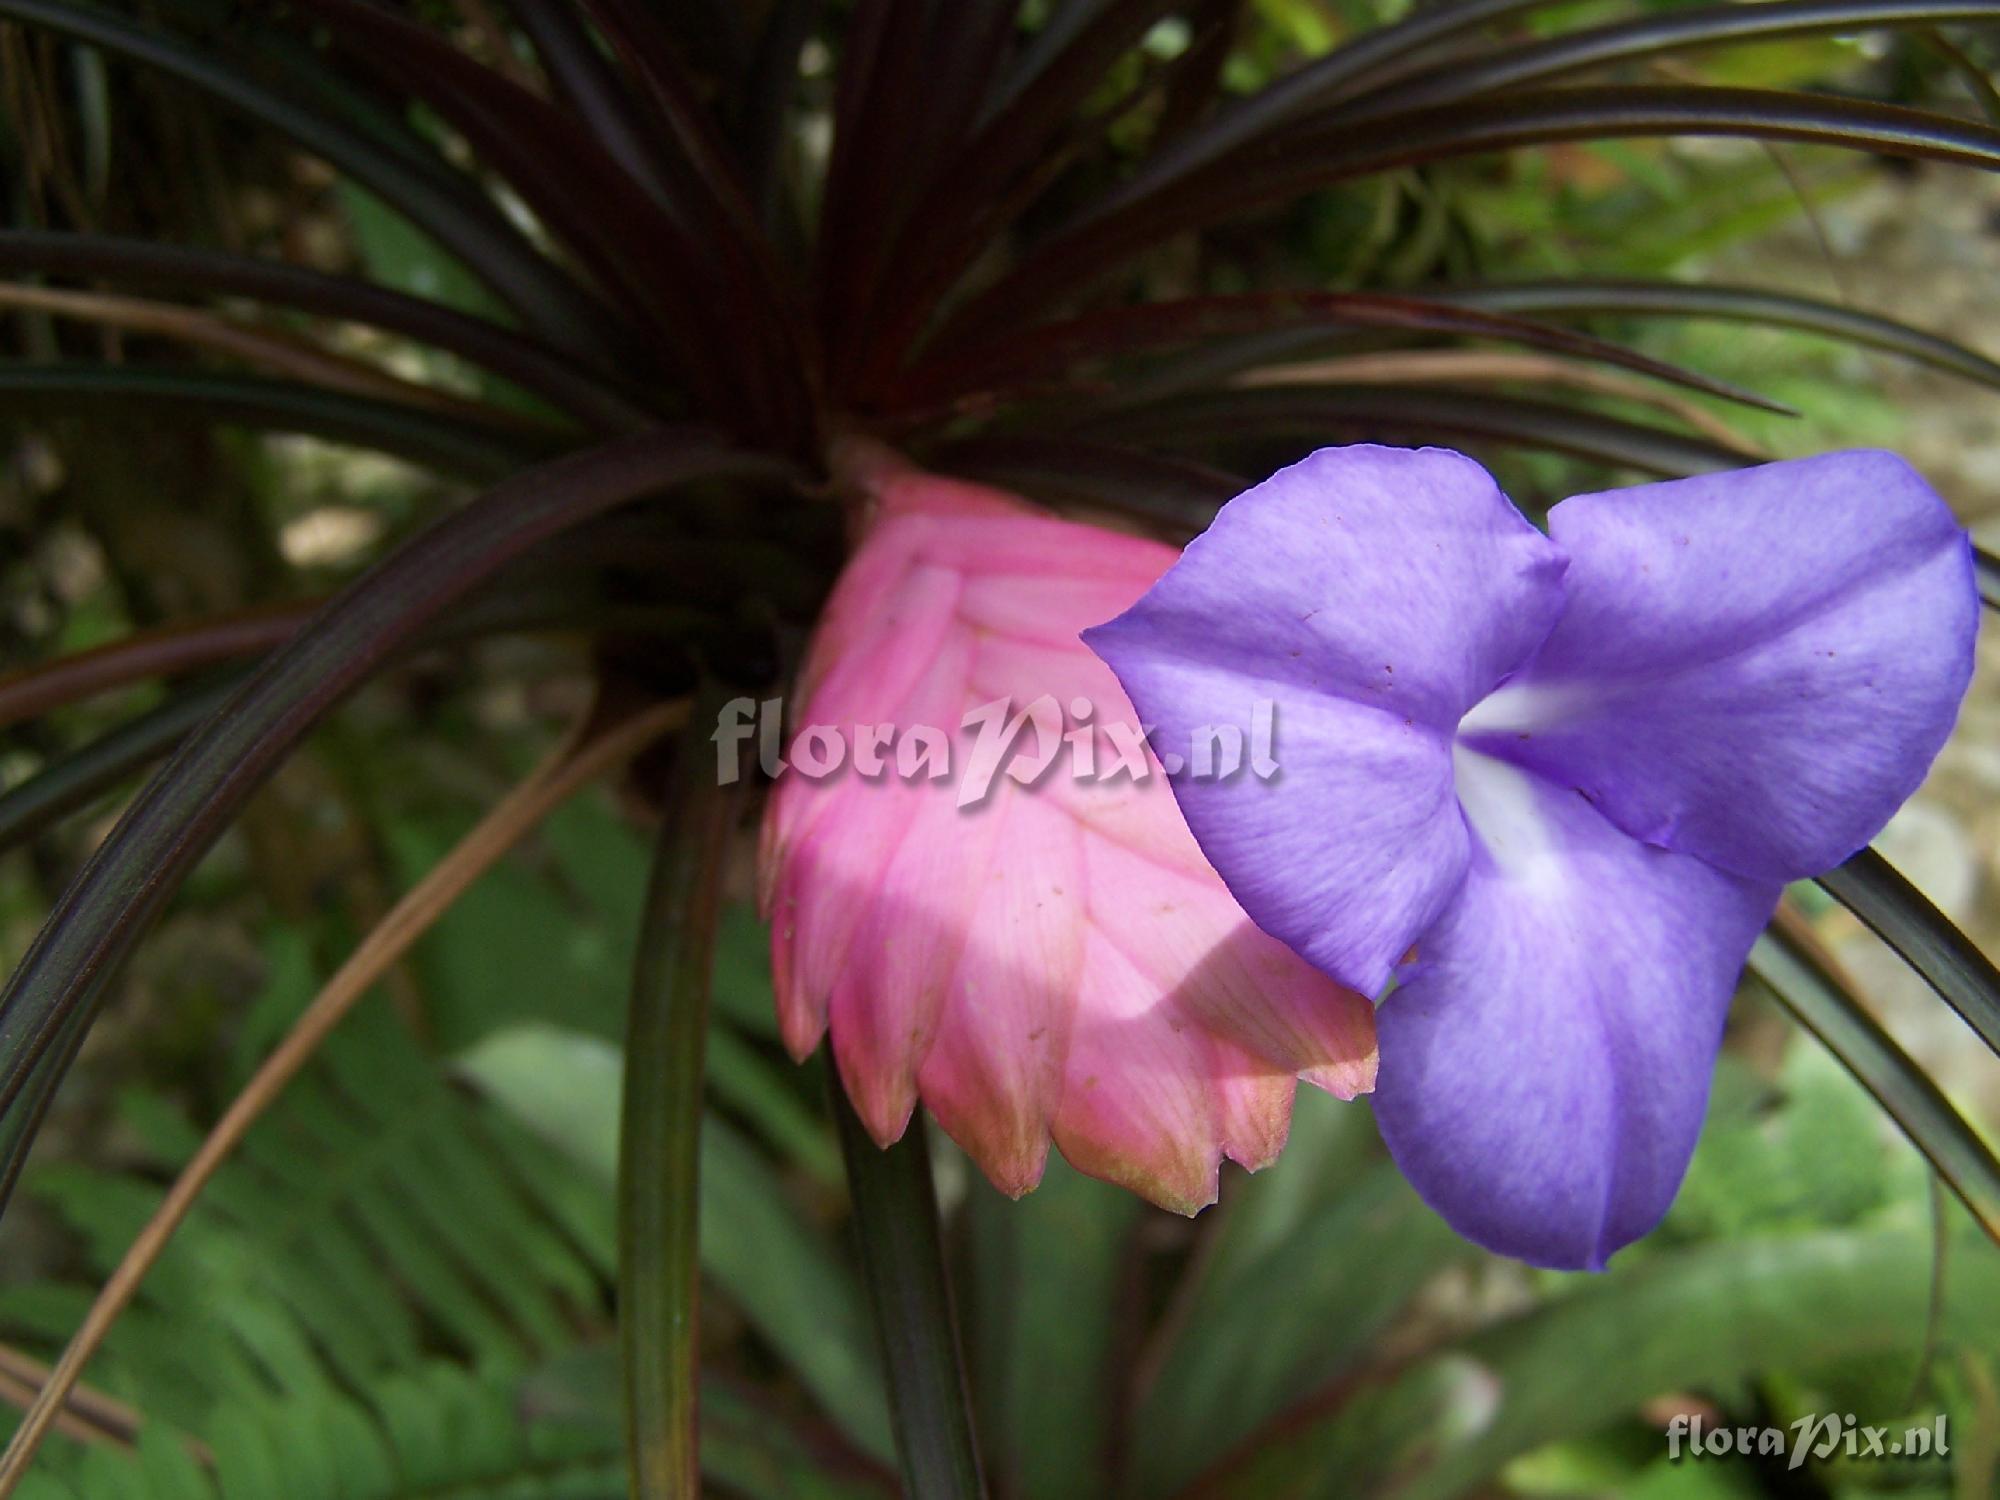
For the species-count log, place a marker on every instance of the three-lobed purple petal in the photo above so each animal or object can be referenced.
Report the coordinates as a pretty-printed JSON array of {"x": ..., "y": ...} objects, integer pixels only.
[{"x": 1551, "y": 784}]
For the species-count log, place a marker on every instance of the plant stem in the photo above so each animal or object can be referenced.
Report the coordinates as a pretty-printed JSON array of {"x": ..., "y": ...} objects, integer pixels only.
[
  {"x": 896, "y": 1221},
  {"x": 659, "y": 1277}
]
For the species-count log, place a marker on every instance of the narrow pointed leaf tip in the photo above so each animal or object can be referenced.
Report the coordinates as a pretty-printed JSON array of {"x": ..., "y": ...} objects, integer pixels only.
[
  {"x": 1032, "y": 956},
  {"x": 1552, "y": 784}
]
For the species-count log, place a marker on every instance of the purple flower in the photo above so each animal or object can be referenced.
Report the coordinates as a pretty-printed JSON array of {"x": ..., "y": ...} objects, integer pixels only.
[{"x": 1552, "y": 785}]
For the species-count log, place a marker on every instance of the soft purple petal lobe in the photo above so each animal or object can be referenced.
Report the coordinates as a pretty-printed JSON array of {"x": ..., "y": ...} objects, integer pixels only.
[
  {"x": 1371, "y": 595},
  {"x": 1546, "y": 1060},
  {"x": 1755, "y": 667}
]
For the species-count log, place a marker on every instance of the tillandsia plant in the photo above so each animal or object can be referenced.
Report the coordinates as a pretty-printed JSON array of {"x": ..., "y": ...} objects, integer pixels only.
[{"x": 889, "y": 351}]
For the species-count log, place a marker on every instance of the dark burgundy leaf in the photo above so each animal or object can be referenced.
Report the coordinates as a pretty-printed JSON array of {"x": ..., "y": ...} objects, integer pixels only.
[
  {"x": 444, "y": 206},
  {"x": 1823, "y": 1000},
  {"x": 1400, "y": 415},
  {"x": 1304, "y": 157},
  {"x": 671, "y": 277},
  {"x": 49, "y": 1001},
  {"x": 1296, "y": 93},
  {"x": 979, "y": 191},
  {"x": 1048, "y": 349},
  {"x": 1654, "y": 36},
  {"x": 473, "y": 450},
  {"x": 536, "y": 367},
  {"x": 588, "y": 82},
  {"x": 1904, "y": 918},
  {"x": 1584, "y": 297}
]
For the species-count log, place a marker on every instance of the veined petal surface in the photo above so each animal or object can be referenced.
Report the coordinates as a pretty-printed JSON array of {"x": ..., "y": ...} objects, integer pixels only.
[
  {"x": 1371, "y": 595},
  {"x": 1754, "y": 667},
  {"x": 1546, "y": 1058},
  {"x": 1562, "y": 778}
]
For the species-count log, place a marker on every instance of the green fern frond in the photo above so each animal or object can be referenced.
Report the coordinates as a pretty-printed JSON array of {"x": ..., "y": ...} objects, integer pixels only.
[
  {"x": 441, "y": 1432},
  {"x": 399, "y": 1289}
]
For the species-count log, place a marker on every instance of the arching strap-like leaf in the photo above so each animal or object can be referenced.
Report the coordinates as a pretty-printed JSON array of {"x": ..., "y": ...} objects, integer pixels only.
[
  {"x": 174, "y": 650},
  {"x": 1411, "y": 416},
  {"x": 951, "y": 225},
  {"x": 1740, "y": 304},
  {"x": 472, "y": 450},
  {"x": 1820, "y": 1000},
  {"x": 1308, "y": 156},
  {"x": 1656, "y": 35},
  {"x": 22, "y": 1119},
  {"x": 1904, "y": 918},
  {"x": 912, "y": 108},
  {"x": 1191, "y": 88},
  {"x": 1986, "y": 567},
  {"x": 694, "y": 161},
  {"x": 1147, "y": 327},
  {"x": 682, "y": 274},
  {"x": 586, "y": 80},
  {"x": 1056, "y": 74},
  {"x": 638, "y": 253},
  {"x": 715, "y": 201},
  {"x": 1314, "y": 85},
  {"x": 1977, "y": 79},
  {"x": 527, "y": 362},
  {"x": 80, "y": 778},
  {"x": 114, "y": 900},
  {"x": 449, "y": 209},
  {"x": 1371, "y": 74}
]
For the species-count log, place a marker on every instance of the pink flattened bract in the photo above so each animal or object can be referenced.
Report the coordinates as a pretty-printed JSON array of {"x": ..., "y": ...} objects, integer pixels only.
[{"x": 1057, "y": 960}]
